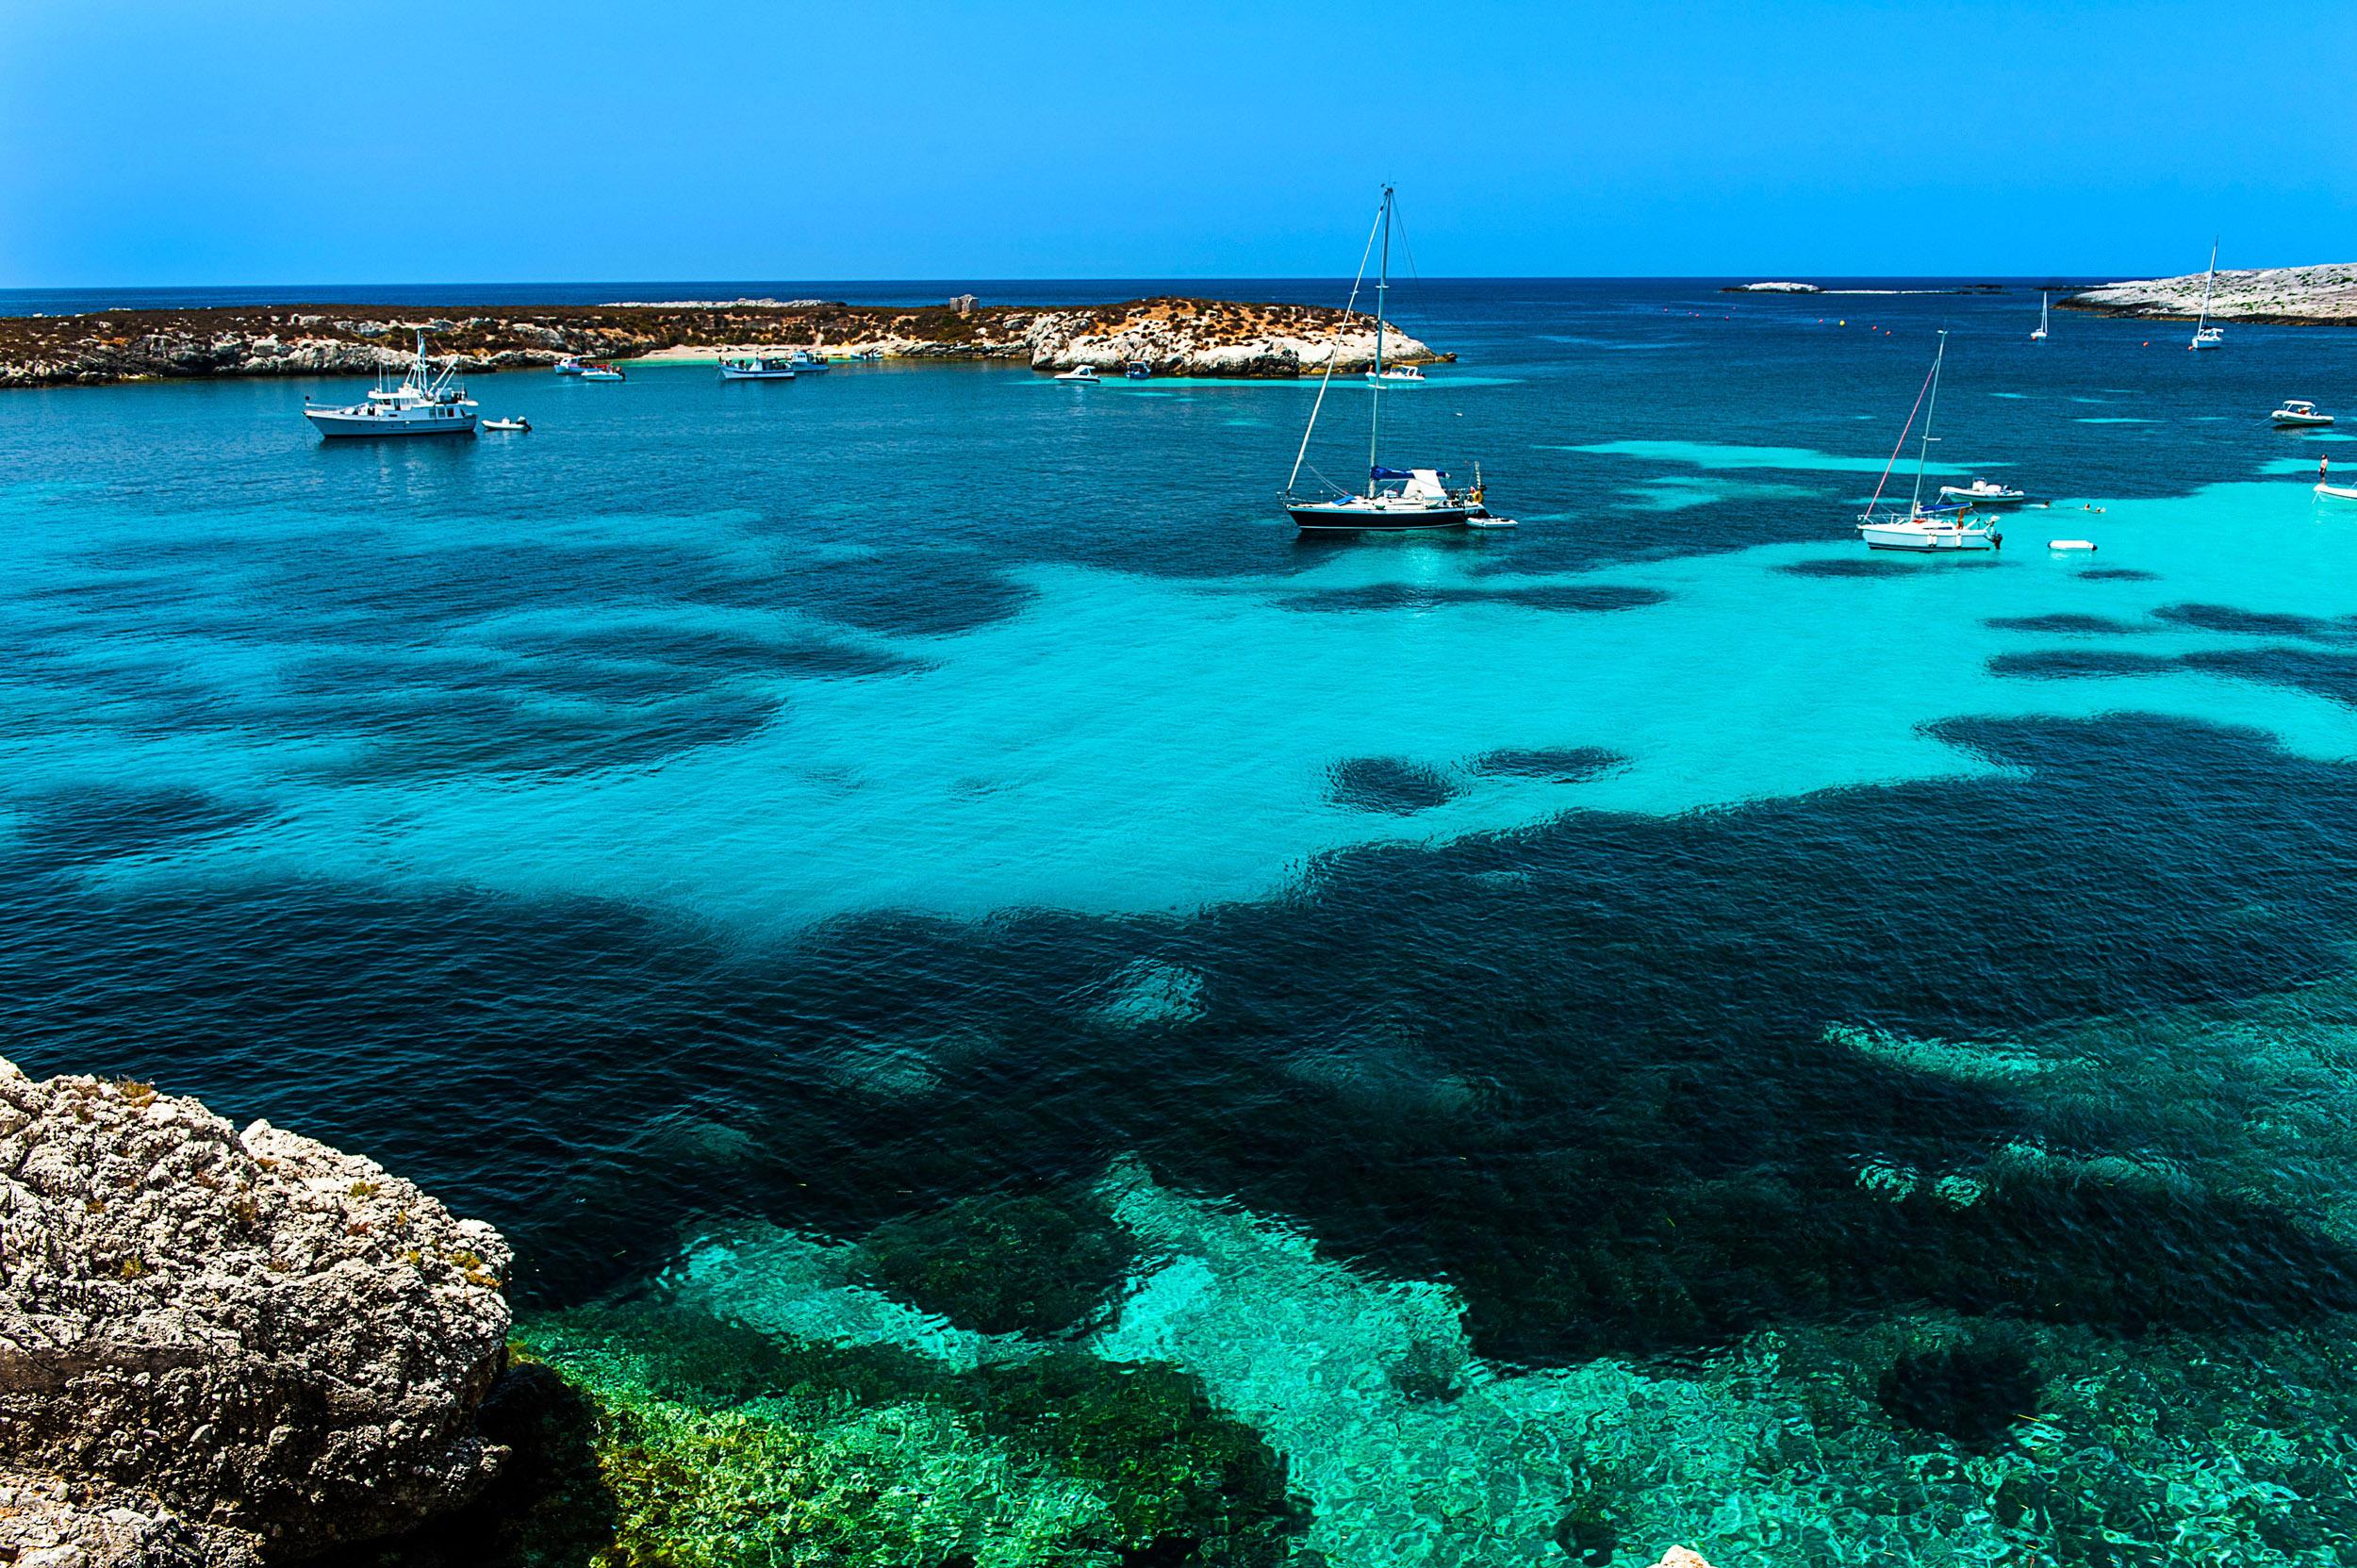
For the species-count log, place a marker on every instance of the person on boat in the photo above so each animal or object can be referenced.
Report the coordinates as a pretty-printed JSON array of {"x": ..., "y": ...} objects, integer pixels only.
[{"x": 2324, "y": 468}]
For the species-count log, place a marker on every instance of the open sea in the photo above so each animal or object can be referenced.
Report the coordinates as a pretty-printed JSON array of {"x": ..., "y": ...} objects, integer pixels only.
[{"x": 1655, "y": 1027}]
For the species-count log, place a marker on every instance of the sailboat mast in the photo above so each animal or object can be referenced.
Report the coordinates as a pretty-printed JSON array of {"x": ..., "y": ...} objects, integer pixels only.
[
  {"x": 1382, "y": 306},
  {"x": 1923, "y": 450},
  {"x": 2207, "y": 278}
]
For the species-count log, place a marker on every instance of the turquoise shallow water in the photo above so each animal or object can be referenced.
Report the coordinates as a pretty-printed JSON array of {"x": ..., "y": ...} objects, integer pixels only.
[{"x": 1654, "y": 1026}]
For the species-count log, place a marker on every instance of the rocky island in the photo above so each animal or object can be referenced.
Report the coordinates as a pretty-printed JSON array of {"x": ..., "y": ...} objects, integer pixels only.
[
  {"x": 1173, "y": 337},
  {"x": 2287, "y": 296}
]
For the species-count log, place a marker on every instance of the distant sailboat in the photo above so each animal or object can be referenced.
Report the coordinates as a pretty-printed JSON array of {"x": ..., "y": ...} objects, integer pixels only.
[
  {"x": 2040, "y": 335},
  {"x": 2204, "y": 335},
  {"x": 1395, "y": 498}
]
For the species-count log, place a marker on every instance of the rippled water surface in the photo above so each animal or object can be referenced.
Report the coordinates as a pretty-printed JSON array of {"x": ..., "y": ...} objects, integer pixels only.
[{"x": 1654, "y": 1027}]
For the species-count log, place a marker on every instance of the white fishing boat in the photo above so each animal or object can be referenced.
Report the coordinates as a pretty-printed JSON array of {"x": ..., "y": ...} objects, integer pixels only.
[
  {"x": 1982, "y": 492},
  {"x": 808, "y": 361},
  {"x": 598, "y": 370},
  {"x": 2040, "y": 335},
  {"x": 758, "y": 367},
  {"x": 2204, "y": 335},
  {"x": 570, "y": 365},
  {"x": 1393, "y": 499},
  {"x": 1938, "y": 529},
  {"x": 2299, "y": 414},
  {"x": 423, "y": 403},
  {"x": 1086, "y": 375},
  {"x": 507, "y": 425}
]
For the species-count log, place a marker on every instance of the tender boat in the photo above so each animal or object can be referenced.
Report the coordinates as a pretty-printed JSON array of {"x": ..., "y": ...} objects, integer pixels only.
[
  {"x": 423, "y": 403},
  {"x": 598, "y": 370},
  {"x": 1394, "y": 498},
  {"x": 1982, "y": 492},
  {"x": 570, "y": 365},
  {"x": 2298, "y": 414},
  {"x": 1140, "y": 370},
  {"x": 2204, "y": 335},
  {"x": 1079, "y": 372},
  {"x": 758, "y": 367},
  {"x": 1938, "y": 529},
  {"x": 2040, "y": 335},
  {"x": 2338, "y": 492},
  {"x": 1398, "y": 376},
  {"x": 2071, "y": 544},
  {"x": 809, "y": 361},
  {"x": 507, "y": 425}
]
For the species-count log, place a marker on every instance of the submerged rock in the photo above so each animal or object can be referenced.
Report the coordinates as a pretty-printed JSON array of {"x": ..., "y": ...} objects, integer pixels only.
[{"x": 283, "y": 1344}]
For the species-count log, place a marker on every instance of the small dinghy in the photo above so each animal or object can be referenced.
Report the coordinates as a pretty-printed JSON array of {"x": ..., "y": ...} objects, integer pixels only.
[
  {"x": 2071, "y": 544},
  {"x": 2298, "y": 414},
  {"x": 2338, "y": 492},
  {"x": 507, "y": 425},
  {"x": 1982, "y": 492}
]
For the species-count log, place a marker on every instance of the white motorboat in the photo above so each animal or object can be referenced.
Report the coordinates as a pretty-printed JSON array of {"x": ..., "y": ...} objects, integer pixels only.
[
  {"x": 2040, "y": 335},
  {"x": 1935, "y": 530},
  {"x": 423, "y": 403},
  {"x": 2338, "y": 492},
  {"x": 2204, "y": 335},
  {"x": 2298, "y": 414},
  {"x": 809, "y": 361},
  {"x": 1394, "y": 498},
  {"x": 758, "y": 367},
  {"x": 1982, "y": 492},
  {"x": 570, "y": 365},
  {"x": 1083, "y": 373},
  {"x": 507, "y": 425},
  {"x": 598, "y": 370}
]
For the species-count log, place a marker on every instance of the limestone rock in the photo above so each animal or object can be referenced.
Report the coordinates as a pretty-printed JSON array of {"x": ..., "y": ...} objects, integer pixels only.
[
  {"x": 273, "y": 1338},
  {"x": 47, "y": 1524}
]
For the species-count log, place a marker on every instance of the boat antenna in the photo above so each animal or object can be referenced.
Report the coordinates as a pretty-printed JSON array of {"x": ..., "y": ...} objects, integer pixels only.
[
  {"x": 1382, "y": 287},
  {"x": 1333, "y": 354},
  {"x": 1924, "y": 451}
]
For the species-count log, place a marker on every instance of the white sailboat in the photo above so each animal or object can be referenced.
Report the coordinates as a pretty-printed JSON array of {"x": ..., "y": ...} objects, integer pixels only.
[
  {"x": 423, "y": 403},
  {"x": 1926, "y": 530},
  {"x": 2204, "y": 335},
  {"x": 1394, "y": 498},
  {"x": 2040, "y": 335}
]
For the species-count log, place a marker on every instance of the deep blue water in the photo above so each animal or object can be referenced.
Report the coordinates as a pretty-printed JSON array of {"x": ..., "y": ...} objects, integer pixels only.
[{"x": 745, "y": 809}]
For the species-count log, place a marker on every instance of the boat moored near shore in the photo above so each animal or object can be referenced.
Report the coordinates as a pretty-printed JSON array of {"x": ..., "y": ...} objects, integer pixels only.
[
  {"x": 422, "y": 404},
  {"x": 758, "y": 367}
]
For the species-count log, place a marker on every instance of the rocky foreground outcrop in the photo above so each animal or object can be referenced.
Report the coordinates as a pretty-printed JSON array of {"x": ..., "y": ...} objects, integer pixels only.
[
  {"x": 2292, "y": 296},
  {"x": 1176, "y": 336},
  {"x": 220, "y": 1348}
]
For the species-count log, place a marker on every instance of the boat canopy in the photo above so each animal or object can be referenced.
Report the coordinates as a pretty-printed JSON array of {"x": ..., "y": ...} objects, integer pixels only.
[{"x": 1402, "y": 473}]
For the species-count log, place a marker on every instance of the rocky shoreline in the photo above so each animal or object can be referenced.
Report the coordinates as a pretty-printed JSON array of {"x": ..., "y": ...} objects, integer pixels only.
[
  {"x": 1173, "y": 336},
  {"x": 220, "y": 1348},
  {"x": 2324, "y": 295}
]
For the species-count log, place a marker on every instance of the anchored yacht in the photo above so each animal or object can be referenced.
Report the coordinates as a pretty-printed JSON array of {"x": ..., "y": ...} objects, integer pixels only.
[
  {"x": 1393, "y": 498},
  {"x": 1936, "y": 529},
  {"x": 424, "y": 404}
]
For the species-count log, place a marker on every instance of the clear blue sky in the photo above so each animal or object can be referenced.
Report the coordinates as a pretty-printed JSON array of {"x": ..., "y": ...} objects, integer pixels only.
[{"x": 174, "y": 142}]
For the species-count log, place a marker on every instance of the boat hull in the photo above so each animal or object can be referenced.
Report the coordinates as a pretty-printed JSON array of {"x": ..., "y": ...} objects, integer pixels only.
[
  {"x": 339, "y": 424},
  {"x": 1370, "y": 520},
  {"x": 2338, "y": 493},
  {"x": 1941, "y": 542},
  {"x": 2302, "y": 421},
  {"x": 728, "y": 375}
]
